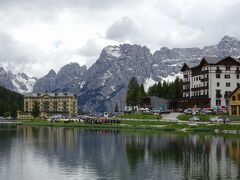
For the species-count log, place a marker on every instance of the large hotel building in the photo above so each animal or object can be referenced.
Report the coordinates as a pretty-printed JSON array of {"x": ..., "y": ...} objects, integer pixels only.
[
  {"x": 50, "y": 104},
  {"x": 209, "y": 83}
]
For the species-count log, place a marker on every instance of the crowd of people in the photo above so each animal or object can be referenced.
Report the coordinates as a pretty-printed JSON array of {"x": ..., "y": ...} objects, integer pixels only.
[{"x": 102, "y": 121}]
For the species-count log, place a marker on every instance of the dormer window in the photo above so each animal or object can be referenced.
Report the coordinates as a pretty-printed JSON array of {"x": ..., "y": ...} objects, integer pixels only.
[{"x": 227, "y": 68}]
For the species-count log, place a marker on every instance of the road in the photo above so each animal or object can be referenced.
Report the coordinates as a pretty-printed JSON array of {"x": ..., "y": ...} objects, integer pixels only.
[{"x": 170, "y": 117}]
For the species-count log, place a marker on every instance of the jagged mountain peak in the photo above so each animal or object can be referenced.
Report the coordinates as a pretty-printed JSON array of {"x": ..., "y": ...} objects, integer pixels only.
[
  {"x": 227, "y": 38},
  {"x": 112, "y": 51},
  {"x": 228, "y": 42},
  {"x": 51, "y": 73}
]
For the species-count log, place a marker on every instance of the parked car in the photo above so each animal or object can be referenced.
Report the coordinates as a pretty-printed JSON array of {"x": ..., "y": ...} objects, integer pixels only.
[
  {"x": 160, "y": 110},
  {"x": 187, "y": 111},
  {"x": 219, "y": 119},
  {"x": 208, "y": 111},
  {"x": 194, "y": 118}
]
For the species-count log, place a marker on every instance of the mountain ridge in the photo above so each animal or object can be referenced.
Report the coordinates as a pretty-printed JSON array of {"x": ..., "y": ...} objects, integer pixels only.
[{"x": 104, "y": 84}]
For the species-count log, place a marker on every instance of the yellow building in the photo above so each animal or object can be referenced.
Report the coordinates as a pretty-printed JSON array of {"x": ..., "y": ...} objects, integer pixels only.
[
  {"x": 50, "y": 104},
  {"x": 234, "y": 102}
]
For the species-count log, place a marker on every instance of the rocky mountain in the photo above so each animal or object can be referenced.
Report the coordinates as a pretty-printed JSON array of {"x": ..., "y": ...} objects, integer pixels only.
[
  {"x": 67, "y": 77},
  {"x": 104, "y": 84},
  {"x": 171, "y": 60},
  {"x": 19, "y": 82}
]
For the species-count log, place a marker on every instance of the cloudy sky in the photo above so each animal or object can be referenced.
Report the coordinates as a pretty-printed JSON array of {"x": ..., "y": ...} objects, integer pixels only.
[{"x": 39, "y": 35}]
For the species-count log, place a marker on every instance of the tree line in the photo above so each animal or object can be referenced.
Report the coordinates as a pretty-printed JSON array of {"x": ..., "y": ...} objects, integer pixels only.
[
  {"x": 10, "y": 102},
  {"x": 166, "y": 90}
]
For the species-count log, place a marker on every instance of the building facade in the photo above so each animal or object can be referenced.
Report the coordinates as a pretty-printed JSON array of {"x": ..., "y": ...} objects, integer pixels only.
[
  {"x": 234, "y": 102},
  {"x": 51, "y": 104},
  {"x": 209, "y": 83},
  {"x": 155, "y": 102}
]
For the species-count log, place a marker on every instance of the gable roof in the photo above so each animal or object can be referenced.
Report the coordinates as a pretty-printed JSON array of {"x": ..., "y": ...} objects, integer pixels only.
[
  {"x": 233, "y": 92},
  {"x": 211, "y": 61},
  {"x": 51, "y": 95}
]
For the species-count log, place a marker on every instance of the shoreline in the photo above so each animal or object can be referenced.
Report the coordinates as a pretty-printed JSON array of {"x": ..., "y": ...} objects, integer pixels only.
[{"x": 139, "y": 125}]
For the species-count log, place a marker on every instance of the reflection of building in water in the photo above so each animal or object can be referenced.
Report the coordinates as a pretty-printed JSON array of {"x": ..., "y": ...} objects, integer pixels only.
[
  {"x": 131, "y": 155},
  {"x": 194, "y": 157},
  {"x": 233, "y": 151},
  {"x": 56, "y": 138}
]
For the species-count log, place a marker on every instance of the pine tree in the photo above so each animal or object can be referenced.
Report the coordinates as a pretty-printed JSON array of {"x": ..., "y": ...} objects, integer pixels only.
[
  {"x": 14, "y": 111},
  {"x": 116, "y": 108},
  {"x": 141, "y": 94},
  {"x": 35, "y": 111},
  {"x": 132, "y": 93}
]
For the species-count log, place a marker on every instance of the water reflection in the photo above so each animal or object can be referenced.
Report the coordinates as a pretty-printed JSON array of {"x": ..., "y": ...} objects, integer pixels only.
[{"x": 72, "y": 153}]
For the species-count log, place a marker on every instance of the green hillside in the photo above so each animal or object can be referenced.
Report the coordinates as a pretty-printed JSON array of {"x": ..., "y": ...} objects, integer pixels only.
[{"x": 10, "y": 102}]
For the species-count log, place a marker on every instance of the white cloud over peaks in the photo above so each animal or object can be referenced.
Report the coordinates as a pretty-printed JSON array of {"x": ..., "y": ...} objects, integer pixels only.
[{"x": 41, "y": 35}]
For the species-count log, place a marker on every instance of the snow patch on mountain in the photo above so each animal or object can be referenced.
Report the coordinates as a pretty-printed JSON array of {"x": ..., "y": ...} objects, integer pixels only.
[
  {"x": 113, "y": 51},
  {"x": 148, "y": 82},
  {"x": 172, "y": 77},
  {"x": 82, "y": 84},
  {"x": 22, "y": 83}
]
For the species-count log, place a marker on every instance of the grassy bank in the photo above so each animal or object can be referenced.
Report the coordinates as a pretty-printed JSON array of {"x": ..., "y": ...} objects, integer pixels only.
[
  {"x": 143, "y": 124},
  {"x": 202, "y": 117}
]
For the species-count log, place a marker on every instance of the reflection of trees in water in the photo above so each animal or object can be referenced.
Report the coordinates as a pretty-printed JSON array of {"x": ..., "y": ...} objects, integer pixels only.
[
  {"x": 7, "y": 134},
  {"x": 135, "y": 149}
]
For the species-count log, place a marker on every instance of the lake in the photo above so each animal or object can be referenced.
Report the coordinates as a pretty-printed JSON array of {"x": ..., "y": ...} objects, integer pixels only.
[{"x": 46, "y": 153}]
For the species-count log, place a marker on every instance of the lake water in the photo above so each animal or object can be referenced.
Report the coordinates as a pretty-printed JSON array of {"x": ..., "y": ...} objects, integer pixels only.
[{"x": 42, "y": 153}]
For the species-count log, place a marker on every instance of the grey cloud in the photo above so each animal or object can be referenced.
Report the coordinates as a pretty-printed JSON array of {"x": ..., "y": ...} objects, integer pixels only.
[
  {"x": 122, "y": 29},
  {"x": 90, "y": 49},
  {"x": 11, "y": 50},
  {"x": 18, "y": 57}
]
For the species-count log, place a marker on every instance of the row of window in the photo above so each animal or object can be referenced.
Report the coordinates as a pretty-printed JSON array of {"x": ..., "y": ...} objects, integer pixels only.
[
  {"x": 228, "y": 84},
  {"x": 227, "y": 76},
  {"x": 200, "y": 85},
  {"x": 199, "y": 93},
  {"x": 218, "y": 102},
  {"x": 228, "y": 68},
  {"x": 196, "y": 78}
]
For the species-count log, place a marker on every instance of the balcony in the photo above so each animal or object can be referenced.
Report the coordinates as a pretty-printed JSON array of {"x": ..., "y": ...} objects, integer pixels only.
[
  {"x": 218, "y": 95},
  {"x": 186, "y": 90},
  {"x": 205, "y": 72},
  {"x": 186, "y": 83},
  {"x": 204, "y": 79},
  {"x": 199, "y": 88},
  {"x": 218, "y": 71},
  {"x": 200, "y": 97}
]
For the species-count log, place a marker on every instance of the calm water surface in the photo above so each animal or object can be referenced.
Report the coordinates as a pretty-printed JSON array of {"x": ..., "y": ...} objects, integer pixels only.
[{"x": 42, "y": 153}]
